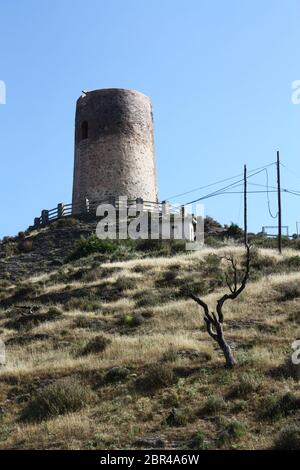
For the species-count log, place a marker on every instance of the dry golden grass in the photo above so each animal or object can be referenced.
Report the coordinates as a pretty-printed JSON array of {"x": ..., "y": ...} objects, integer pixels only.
[{"x": 257, "y": 325}]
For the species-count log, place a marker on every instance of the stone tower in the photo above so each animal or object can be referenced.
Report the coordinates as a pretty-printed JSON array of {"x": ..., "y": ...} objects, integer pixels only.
[{"x": 114, "y": 147}]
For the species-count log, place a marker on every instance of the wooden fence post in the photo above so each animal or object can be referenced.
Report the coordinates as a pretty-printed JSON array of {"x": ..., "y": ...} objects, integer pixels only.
[
  {"x": 60, "y": 210},
  {"x": 45, "y": 217},
  {"x": 37, "y": 222}
]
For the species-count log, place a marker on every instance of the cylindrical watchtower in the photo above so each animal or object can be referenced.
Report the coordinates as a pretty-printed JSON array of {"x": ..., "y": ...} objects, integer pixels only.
[{"x": 114, "y": 148}]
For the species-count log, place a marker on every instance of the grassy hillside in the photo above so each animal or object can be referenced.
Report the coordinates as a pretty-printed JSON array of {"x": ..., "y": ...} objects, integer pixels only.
[{"x": 117, "y": 356}]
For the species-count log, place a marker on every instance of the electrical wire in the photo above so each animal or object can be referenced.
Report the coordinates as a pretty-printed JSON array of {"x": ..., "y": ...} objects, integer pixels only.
[
  {"x": 229, "y": 189},
  {"x": 290, "y": 171},
  {"x": 268, "y": 197},
  {"x": 223, "y": 190},
  {"x": 218, "y": 182}
]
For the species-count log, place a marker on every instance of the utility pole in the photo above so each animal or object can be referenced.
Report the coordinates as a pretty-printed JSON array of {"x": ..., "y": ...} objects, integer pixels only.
[
  {"x": 279, "y": 205},
  {"x": 245, "y": 206}
]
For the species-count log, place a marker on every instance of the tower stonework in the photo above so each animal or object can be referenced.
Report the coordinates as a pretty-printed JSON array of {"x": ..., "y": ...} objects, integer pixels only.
[{"x": 114, "y": 147}]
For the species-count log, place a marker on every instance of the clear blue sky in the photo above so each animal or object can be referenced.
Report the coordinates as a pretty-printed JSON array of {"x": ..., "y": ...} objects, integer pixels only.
[{"x": 219, "y": 75}]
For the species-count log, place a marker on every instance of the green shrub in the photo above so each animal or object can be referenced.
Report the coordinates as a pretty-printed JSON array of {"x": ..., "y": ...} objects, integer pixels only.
[
  {"x": 169, "y": 277},
  {"x": 293, "y": 261},
  {"x": 28, "y": 321},
  {"x": 116, "y": 374},
  {"x": 141, "y": 268},
  {"x": 157, "y": 376},
  {"x": 53, "y": 312},
  {"x": 64, "y": 222},
  {"x": 170, "y": 355},
  {"x": 92, "y": 244},
  {"x": 214, "y": 405},
  {"x": 287, "y": 370},
  {"x": 91, "y": 323},
  {"x": 24, "y": 292},
  {"x": 92, "y": 275},
  {"x": 148, "y": 245},
  {"x": 9, "y": 249},
  {"x": 199, "y": 442},
  {"x": 62, "y": 396},
  {"x": 178, "y": 246},
  {"x": 148, "y": 298},
  {"x": 125, "y": 283},
  {"x": 160, "y": 247},
  {"x": 211, "y": 225},
  {"x": 260, "y": 262},
  {"x": 288, "y": 291},
  {"x": 21, "y": 235},
  {"x": 84, "y": 304},
  {"x": 234, "y": 231},
  {"x": 97, "y": 344},
  {"x": 25, "y": 246},
  {"x": 288, "y": 438},
  {"x": 233, "y": 430},
  {"x": 246, "y": 385},
  {"x": 213, "y": 241},
  {"x": 178, "y": 418},
  {"x": 132, "y": 320},
  {"x": 278, "y": 406}
]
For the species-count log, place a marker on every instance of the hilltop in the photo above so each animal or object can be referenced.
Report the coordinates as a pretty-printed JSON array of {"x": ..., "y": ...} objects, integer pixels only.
[{"x": 115, "y": 354}]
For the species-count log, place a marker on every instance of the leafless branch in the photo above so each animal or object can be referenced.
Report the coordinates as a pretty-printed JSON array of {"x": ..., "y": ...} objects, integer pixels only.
[
  {"x": 235, "y": 291},
  {"x": 214, "y": 320}
]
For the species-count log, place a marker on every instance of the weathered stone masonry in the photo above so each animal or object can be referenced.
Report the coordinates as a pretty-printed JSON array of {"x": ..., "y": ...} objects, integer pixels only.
[{"x": 114, "y": 147}]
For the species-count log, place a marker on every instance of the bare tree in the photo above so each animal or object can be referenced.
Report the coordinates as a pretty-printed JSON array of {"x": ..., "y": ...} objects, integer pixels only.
[{"x": 214, "y": 320}]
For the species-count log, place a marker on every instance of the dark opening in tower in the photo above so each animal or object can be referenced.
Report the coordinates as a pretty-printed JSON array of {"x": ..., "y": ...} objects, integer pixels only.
[{"x": 84, "y": 130}]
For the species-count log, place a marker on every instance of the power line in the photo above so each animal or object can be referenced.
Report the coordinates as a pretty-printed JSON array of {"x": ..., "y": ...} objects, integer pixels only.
[
  {"x": 283, "y": 190},
  {"x": 215, "y": 193},
  {"x": 218, "y": 182},
  {"x": 295, "y": 193},
  {"x": 249, "y": 192},
  {"x": 290, "y": 171},
  {"x": 223, "y": 190},
  {"x": 268, "y": 198},
  {"x": 262, "y": 185}
]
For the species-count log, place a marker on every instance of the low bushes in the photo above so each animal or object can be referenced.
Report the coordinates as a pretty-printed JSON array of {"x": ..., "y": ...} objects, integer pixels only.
[
  {"x": 288, "y": 438},
  {"x": 214, "y": 405},
  {"x": 30, "y": 320},
  {"x": 233, "y": 431},
  {"x": 62, "y": 396},
  {"x": 155, "y": 378},
  {"x": 279, "y": 406},
  {"x": 245, "y": 386},
  {"x": 96, "y": 345},
  {"x": 64, "y": 222},
  {"x": 131, "y": 320},
  {"x": 116, "y": 374},
  {"x": 25, "y": 246},
  {"x": 288, "y": 291},
  {"x": 92, "y": 244},
  {"x": 148, "y": 298}
]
